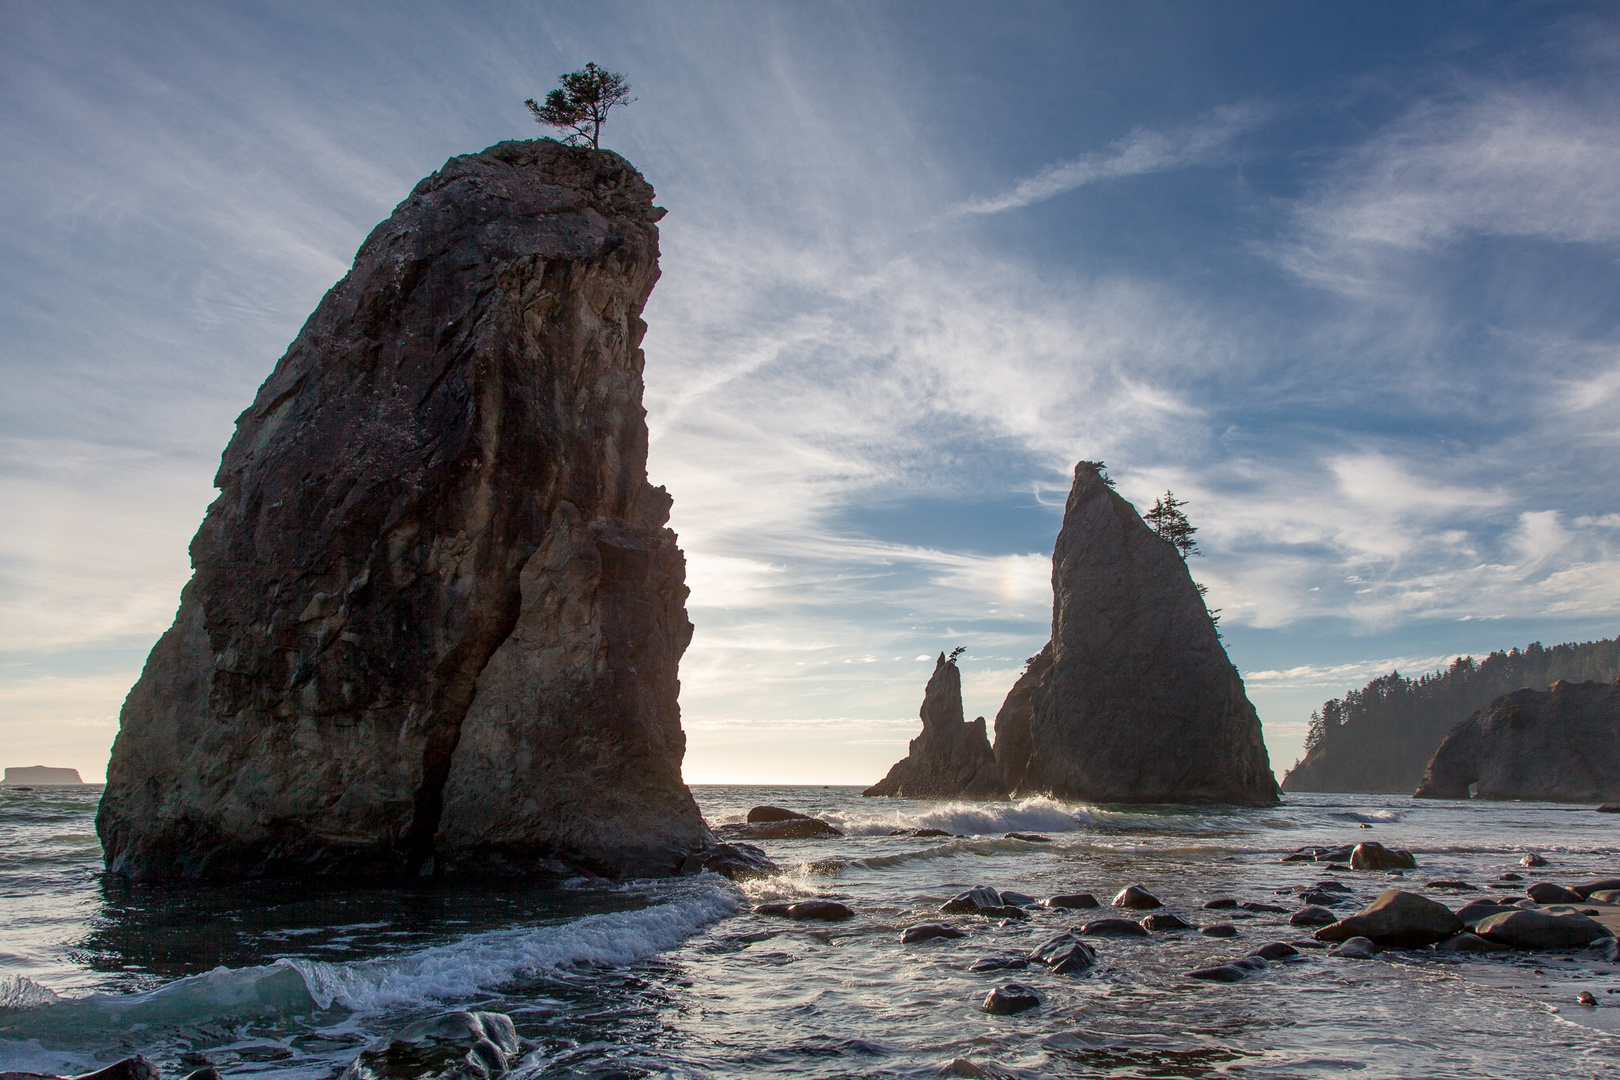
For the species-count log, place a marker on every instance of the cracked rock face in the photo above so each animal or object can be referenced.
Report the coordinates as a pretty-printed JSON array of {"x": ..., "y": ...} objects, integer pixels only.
[
  {"x": 1557, "y": 745},
  {"x": 436, "y": 618},
  {"x": 1134, "y": 698},
  {"x": 952, "y": 758}
]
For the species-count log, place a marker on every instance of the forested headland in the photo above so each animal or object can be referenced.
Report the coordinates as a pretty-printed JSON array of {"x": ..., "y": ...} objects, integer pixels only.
[{"x": 1381, "y": 737}]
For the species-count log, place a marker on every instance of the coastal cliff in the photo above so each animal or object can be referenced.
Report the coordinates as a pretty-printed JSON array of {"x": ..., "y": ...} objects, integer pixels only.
[
  {"x": 1134, "y": 698},
  {"x": 436, "y": 616},
  {"x": 1555, "y": 745},
  {"x": 952, "y": 758}
]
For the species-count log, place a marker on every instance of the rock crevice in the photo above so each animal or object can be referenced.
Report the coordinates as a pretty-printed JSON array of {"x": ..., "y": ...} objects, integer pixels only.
[{"x": 436, "y": 616}]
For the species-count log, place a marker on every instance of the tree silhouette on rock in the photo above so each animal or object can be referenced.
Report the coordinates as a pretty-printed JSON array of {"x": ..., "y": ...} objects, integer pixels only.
[
  {"x": 1167, "y": 519},
  {"x": 581, "y": 104}
]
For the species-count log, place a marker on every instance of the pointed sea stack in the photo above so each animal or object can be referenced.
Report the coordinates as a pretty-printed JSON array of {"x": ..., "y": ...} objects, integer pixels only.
[
  {"x": 436, "y": 618},
  {"x": 951, "y": 759},
  {"x": 1555, "y": 745},
  {"x": 1134, "y": 699}
]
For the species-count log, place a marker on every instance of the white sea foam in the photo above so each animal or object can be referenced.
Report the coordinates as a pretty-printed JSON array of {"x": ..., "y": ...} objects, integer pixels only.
[{"x": 968, "y": 818}]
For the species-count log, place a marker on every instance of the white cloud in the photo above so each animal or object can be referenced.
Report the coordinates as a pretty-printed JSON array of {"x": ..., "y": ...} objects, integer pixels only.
[{"x": 1138, "y": 153}]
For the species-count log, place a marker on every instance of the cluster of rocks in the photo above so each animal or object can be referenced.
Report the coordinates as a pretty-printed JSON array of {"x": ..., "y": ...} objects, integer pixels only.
[{"x": 1132, "y": 700}]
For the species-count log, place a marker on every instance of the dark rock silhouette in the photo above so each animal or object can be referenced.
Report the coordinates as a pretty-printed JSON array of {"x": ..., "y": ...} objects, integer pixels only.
[
  {"x": 1558, "y": 745},
  {"x": 952, "y": 758},
  {"x": 1137, "y": 701},
  {"x": 42, "y": 776},
  {"x": 436, "y": 617}
]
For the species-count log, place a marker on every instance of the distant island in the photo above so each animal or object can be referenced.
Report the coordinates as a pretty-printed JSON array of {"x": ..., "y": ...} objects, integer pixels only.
[
  {"x": 1380, "y": 738},
  {"x": 41, "y": 776}
]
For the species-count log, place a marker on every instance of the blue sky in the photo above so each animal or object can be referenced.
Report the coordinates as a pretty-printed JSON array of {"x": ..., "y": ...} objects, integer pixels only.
[{"x": 1342, "y": 276}]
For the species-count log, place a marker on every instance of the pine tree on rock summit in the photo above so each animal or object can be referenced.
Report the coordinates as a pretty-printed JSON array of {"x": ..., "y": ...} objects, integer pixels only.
[{"x": 581, "y": 104}]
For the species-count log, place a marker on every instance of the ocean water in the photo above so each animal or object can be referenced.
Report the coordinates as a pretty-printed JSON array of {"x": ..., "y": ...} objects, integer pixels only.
[{"x": 679, "y": 978}]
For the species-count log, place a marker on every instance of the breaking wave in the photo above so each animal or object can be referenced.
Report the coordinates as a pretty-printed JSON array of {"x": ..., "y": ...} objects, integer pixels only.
[{"x": 969, "y": 819}]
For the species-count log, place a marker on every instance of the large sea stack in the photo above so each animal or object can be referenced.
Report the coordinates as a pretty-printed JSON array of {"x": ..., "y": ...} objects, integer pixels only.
[
  {"x": 1134, "y": 699},
  {"x": 435, "y": 618},
  {"x": 1555, "y": 745},
  {"x": 952, "y": 758}
]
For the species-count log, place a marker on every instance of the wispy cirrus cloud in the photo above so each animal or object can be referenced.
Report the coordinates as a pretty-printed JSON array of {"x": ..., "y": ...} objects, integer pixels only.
[{"x": 1142, "y": 151}]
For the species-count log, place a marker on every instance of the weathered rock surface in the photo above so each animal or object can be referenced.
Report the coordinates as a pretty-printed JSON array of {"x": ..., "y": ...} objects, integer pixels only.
[
  {"x": 928, "y": 931},
  {"x": 1375, "y": 856},
  {"x": 1139, "y": 702},
  {"x": 983, "y": 900},
  {"x": 1113, "y": 928},
  {"x": 1010, "y": 998},
  {"x": 1071, "y": 900},
  {"x": 952, "y": 758},
  {"x": 1136, "y": 897},
  {"x": 739, "y": 862},
  {"x": 1558, "y": 745},
  {"x": 1356, "y": 948},
  {"x": 1065, "y": 954},
  {"x": 1397, "y": 919},
  {"x": 1542, "y": 929},
  {"x": 436, "y": 618}
]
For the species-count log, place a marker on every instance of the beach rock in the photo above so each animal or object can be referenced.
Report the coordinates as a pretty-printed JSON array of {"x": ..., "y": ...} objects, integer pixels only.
[
  {"x": 952, "y": 758},
  {"x": 800, "y": 828},
  {"x": 1071, "y": 900},
  {"x": 1545, "y": 892},
  {"x": 1010, "y": 998},
  {"x": 1587, "y": 998},
  {"x": 1000, "y": 963},
  {"x": 1027, "y": 837},
  {"x": 1510, "y": 877},
  {"x": 928, "y": 931},
  {"x": 1224, "y": 929},
  {"x": 1262, "y": 909},
  {"x": 1331, "y": 886},
  {"x": 1356, "y": 948},
  {"x": 1321, "y": 899},
  {"x": 1135, "y": 699},
  {"x": 1459, "y": 886},
  {"x": 1372, "y": 855},
  {"x": 1541, "y": 930},
  {"x": 1469, "y": 943},
  {"x": 982, "y": 900},
  {"x": 1608, "y": 808},
  {"x": 1276, "y": 950},
  {"x": 1159, "y": 923},
  {"x": 1312, "y": 916},
  {"x": 1136, "y": 898},
  {"x": 1475, "y": 910},
  {"x": 1219, "y": 903},
  {"x": 1587, "y": 890},
  {"x": 1017, "y": 899},
  {"x": 1561, "y": 744},
  {"x": 436, "y": 617},
  {"x": 822, "y": 910},
  {"x": 1533, "y": 860},
  {"x": 739, "y": 862},
  {"x": 1604, "y": 950},
  {"x": 1065, "y": 954},
  {"x": 1113, "y": 928},
  {"x": 1606, "y": 896},
  {"x": 1397, "y": 919},
  {"x": 774, "y": 813},
  {"x": 1231, "y": 971}
]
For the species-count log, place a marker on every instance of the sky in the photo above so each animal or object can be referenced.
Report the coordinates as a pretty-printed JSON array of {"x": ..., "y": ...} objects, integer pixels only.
[{"x": 1341, "y": 276}]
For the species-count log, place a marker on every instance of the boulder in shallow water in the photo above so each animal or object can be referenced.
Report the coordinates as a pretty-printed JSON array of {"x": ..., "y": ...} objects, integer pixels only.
[
  {"x": 462, "y": 1045},
  {"x": 1134, "y": 698},
  {"x": 1071, "y": 900},
  {"x": 1276, "y": 950},
  {"x": 1315, "y": 915},
  {"x": 1532, "y": 861},
  {"x": 1475, "y": 910},
  {"x": 773, "y": 813},
  {"x": 1113, "y": 928},
  {"x": 1220, "y": 902},
  {"x": 1541, "y": 930},
  {"x": 1605, "y": 950},
  {"x": 999, "y": 963},
  {"x": 1010, "y": 998},
  {"x": 1137, "y": 898},
  {"x": 952, "y": 758},
  {"x": 982, "y": 900},
  {"x": 1065, "y": 954},
  {"x": 1224, "y": 929},
  {"x": 1162, "y": 921},
  {"x": 1545, "y": 892},
  {"x": 821, "y": 910},
  {"x": 1230, "y": 972},
  {"x": 1588, "y": 890},
  {"x": 1397, "y": 919},
  {"x": 1356, "y": 948},
  {"x": 436, "y": 616},
  {"x": 1469, "y": 943},
  {"x": 1372, "y": 855},
  {"x": 800, "y": 828},
  {"x": 929, "y": 931},
  {"x": 739, "y": 862}
]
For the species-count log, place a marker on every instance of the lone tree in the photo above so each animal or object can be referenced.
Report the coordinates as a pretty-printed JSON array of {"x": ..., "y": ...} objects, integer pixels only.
[
  {"x": 582, "y": 103},
  {"x": 1167, "y": 519}
]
